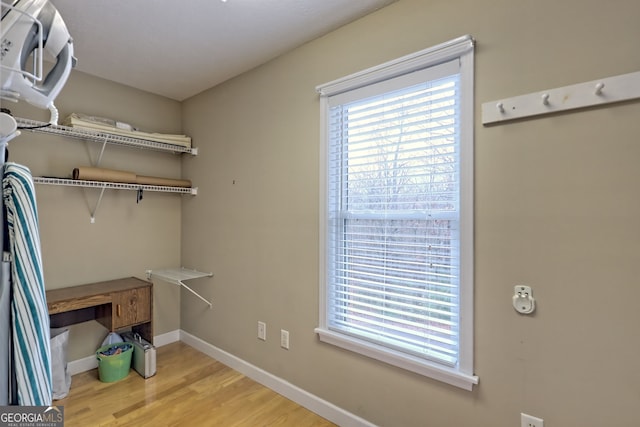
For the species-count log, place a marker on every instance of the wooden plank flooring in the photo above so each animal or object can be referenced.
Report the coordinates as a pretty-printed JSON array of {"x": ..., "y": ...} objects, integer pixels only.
[{"x": 190, "y": 389}]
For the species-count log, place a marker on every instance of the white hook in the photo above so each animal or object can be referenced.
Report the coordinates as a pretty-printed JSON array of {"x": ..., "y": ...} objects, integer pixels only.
[
  {"x": 545, "y": 98},
  {"x": 500, "y": 107},
  {"x": 599, "y": 88}
]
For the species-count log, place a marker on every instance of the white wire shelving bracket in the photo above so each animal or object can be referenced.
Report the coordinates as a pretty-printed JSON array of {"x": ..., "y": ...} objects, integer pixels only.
[
  {"x": 101, "y": 137},
  {"x": 177, "y": 276},
  {"x": 588, "y": 94}
]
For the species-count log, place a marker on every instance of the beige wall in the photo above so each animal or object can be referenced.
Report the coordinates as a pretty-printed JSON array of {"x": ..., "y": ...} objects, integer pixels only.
[
  {"x": 557, "y": 208},
  {"x": 127, "y": 238}
]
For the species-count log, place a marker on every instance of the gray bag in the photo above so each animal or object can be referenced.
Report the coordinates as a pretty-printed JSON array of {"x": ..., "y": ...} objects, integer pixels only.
[{"x": 60, "y": 377}]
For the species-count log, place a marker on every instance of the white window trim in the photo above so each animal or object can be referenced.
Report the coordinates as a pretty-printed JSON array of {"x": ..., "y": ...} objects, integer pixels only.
[{"x": 461, "y": 376}]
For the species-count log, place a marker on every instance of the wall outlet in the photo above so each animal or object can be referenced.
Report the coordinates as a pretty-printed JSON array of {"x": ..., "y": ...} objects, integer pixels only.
[
  {"x": 284, "y": 339},
  {"x": 262, "y": 331},
  {"x": 530, "y": 421}
]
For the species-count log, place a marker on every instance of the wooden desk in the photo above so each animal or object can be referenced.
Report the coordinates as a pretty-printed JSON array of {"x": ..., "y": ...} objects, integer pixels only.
[{"x": 116, "y": 304}]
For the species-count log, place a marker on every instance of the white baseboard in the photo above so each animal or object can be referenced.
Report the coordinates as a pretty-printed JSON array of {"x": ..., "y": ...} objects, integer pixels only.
[
  {"x": 166, "y": 338},
  {"x": 82, "y": 365},
  {"x": 303, "y": 398}
]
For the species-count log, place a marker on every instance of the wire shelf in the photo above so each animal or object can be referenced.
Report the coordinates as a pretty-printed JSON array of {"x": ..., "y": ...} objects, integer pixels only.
[
  {"x": 102, "y": 137},
  {"x": 112, "y": 185},
  {"x": 177, "y": 276}
]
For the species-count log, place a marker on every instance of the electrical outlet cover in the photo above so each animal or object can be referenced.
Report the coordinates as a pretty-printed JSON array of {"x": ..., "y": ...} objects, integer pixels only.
[{"x": 284, "y": 339}]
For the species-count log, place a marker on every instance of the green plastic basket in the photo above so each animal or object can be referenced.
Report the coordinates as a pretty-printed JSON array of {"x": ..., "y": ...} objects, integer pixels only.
[{"x": 115, "y": 367}]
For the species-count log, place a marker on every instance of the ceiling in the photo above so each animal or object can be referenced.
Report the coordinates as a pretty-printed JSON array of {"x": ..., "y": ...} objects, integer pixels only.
[{"x": 180, "y": 48}]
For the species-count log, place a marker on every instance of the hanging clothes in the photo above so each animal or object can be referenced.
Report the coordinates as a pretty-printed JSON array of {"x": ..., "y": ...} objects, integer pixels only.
[
  {"x": 31, "y": 360},
  {"x": 8, "y": 129},
  {"x": 5, "y": 323}
]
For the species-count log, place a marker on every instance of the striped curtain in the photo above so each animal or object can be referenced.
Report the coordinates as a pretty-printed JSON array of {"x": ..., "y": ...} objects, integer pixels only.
[{"x": 30, "y": 325}]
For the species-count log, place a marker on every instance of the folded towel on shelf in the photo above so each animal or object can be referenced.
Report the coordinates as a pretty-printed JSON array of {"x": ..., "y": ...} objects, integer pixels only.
[
  {"x": 112, "y": 175},
  {"x": 101, "y": 124}
]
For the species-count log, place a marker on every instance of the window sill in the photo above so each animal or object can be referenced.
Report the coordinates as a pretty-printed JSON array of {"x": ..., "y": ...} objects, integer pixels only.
[{"x": 395, "y": 358}]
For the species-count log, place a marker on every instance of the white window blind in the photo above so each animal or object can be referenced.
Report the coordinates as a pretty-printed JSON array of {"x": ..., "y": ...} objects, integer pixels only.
[
  {"x": 393, "y": 251},
  {"x": 392, "y": 230}
]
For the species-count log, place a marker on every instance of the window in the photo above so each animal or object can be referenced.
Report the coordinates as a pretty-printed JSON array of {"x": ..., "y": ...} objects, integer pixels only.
[{"x": 396, "y": 279}]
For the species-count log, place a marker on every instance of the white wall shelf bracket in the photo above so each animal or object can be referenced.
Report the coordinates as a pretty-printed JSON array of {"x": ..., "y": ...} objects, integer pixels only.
[
  {"x": 95, "y": 210},
  {"x": 99, "y": 159},
  {"x": 604, "y": 91},
  {"x": 177, "y": 276}
]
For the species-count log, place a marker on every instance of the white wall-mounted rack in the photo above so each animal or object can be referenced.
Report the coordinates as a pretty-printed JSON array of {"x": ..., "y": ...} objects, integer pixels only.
[
  {"x": 597, "y": 92},
  {"x": 102, "y": 185},
  {"x": 113, "y": 185},
  {"x": 105, "y": 138},
  {"x": 101, "y": 137},
  {"x": 177, "y": 276}
]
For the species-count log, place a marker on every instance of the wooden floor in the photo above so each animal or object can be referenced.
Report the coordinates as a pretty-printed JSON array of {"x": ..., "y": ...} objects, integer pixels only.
[{"x": 190, "y": 389}]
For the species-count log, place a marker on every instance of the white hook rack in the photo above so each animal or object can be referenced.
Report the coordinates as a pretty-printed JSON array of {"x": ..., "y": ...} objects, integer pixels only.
[
  {"x": 599, "y": 88},
  {"x": 597, "y": 92},
  {"x": 545, "y": 99}
]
